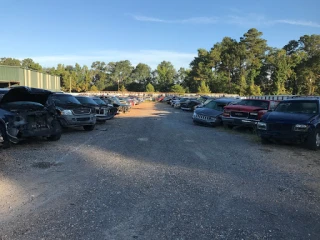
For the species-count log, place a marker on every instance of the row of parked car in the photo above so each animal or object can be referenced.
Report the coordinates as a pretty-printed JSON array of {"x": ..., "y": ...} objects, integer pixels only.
[
  {"x": 295, "y": 119},
  {"x": 32, "y": 112}
]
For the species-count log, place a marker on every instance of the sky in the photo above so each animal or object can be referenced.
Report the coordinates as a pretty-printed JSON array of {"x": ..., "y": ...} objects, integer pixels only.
[{"x": 147, "y": 31}]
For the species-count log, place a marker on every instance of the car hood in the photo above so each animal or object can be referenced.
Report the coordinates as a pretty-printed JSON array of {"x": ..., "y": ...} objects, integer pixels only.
[
  {"x": 243, "y": 108},
  {"x": 294, "y": 118},
  {"x": 208, "y": 112},
  {"x": 22, "y": 94}
]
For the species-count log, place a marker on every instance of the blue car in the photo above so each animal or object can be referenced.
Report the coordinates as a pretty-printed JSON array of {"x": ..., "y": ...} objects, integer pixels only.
[
  {"x": 293, "y": 120},
  {"x": 210, "y": 113}
]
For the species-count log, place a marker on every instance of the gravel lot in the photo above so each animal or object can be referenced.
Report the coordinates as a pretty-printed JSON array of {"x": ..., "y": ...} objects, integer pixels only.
[{"x": 152, "y": 174}]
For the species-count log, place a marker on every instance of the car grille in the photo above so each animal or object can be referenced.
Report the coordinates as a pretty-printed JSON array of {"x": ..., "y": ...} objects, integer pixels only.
[
  {"x": 202, "y": 117},
  {"x": 240, "y": 114},
  {"x": 83, "y": 119},
  {"x": 281, "y": 127},
  {"x": 100, "y": 111},
  {"x": 81, "y": 111}
]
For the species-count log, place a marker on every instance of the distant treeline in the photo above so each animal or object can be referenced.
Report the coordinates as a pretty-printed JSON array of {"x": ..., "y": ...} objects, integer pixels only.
[{"x": 246, "y": 67}]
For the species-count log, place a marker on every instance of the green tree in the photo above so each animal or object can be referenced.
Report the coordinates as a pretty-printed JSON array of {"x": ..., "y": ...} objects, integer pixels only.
[
  {"x": 150, "y": 88},
  {"x": 28, "y": 63},
  {"x": 165, "y": 75},
  {"x": 10, "y": 62},
  {"x": 203, "y": 88},
  {"x": 256, "y": 48},
  {"x": 177, "y": 88}
]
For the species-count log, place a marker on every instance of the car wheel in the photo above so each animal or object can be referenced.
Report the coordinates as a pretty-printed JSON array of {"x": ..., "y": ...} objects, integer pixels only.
[
  {"x": 313, "y": 140},
  {"x": 58, "y": 131},
  {"x": 88, "y": 127},
  {"x": 4, "y": 137}
]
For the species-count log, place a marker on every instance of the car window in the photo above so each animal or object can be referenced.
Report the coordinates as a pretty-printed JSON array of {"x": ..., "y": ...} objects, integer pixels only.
[{"x": 308, "y": 107}]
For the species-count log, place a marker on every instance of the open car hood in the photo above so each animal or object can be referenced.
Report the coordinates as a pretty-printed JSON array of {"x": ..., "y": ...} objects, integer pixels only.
[{"x": 26, "y": 94}]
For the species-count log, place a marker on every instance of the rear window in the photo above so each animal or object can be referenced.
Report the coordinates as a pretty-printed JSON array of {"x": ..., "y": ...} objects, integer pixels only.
[
  {"x": 306, "y": 107},
  {"x": 255, "y": 103}
]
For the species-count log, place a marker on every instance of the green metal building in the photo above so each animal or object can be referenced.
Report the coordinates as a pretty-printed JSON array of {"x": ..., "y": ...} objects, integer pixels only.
[{"x": 11, "y": 75}]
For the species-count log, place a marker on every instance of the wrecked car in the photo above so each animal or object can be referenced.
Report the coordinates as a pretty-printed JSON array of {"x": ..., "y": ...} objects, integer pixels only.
[
  {"x": 104, "y": 111},
  {"x": 71, "y": 113},
  {"x": 24, "y": 114}
]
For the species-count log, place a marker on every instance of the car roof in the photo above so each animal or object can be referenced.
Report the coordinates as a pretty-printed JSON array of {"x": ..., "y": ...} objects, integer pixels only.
[
  {"x": 226, "y": 100},
  {"x": 302, "y": 99}
]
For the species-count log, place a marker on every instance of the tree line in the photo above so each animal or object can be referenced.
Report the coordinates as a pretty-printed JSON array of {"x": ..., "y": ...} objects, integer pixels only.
[{"x": 247, "y": 66}]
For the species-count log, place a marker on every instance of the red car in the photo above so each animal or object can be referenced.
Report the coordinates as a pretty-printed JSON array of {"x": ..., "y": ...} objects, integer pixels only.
[{"x": 247, "y": 112}]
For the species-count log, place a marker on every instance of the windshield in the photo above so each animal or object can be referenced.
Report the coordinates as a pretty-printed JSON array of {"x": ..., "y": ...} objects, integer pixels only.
[
  {"x": 86, "y": 100},
  {"x": 116, "y": 100},
  {"x": 215, "y": 105},
  {"x": 308, "y": 107},
  {"x": 64, "y": 99},
  {"x": 99, "y": 101},
  {"x": 255, "y": 103}
]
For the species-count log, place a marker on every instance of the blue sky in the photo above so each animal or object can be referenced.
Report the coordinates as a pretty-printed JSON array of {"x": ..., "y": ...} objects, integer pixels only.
[{"x": 148, "y": 31}]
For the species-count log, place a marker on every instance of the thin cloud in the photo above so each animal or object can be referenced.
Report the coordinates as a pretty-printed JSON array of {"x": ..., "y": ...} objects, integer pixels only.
[
  {"x": 194, "y": 20},
  {"x": 299, "y": 23},
  {"x": 252, "y": 19},
  {"x": 150, "y": 57},
  {"x": 245, "y": 20}
]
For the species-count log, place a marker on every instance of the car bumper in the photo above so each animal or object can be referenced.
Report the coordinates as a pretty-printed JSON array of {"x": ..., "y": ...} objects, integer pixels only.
[
  {"x": 240, "y": 122},
  {"x": 74, "y": 121},
  {"x": 207, "y": 122},
  {"x": 288, "y": 136},
  {"x": 186, "y": 108}
]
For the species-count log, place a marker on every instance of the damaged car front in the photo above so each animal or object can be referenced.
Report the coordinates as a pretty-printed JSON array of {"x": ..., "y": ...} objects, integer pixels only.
[
  {"x": 24, "y": 114},
  {"x": 105, "y": 111}
]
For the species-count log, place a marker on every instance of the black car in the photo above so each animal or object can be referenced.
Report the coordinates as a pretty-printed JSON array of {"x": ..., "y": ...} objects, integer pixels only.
[
  {"x": 293, "y": 120},
  {"x": 116, "y": 103},
  {"x": 24, "y": 114},
  {"x": 71, "y": 113},
  {"x": 3, "y": 91},
  {"x": 191, "y": 104},
  {"x": 210, "y": 113},
  {"x": 105, "y": 111}
]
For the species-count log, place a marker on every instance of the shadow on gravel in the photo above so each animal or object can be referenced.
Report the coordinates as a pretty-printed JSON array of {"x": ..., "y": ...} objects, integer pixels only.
[{"x": 158, "y": 176}]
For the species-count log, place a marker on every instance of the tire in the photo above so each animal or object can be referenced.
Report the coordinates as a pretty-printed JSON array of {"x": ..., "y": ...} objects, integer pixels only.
[
  {"x": 58, "y": 131},
  {"x": 195, "y": 123},
  {"x": 265, "y": 140},
  {"x": 88, "y": 127},
  {"x": 313, "y": 140},
  {"x": 3, "y": 133}
]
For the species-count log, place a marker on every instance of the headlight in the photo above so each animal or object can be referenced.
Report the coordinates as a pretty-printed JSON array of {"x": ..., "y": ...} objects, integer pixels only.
[
  {"x": 66, "y": 112},
  {"x": 301, "y": 127},
  {"x": 262, "y": 126},
  {"x": 254, "y": 114}
]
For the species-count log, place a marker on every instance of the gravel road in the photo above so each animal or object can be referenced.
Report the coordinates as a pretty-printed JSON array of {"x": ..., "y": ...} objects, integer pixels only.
[{"x": 152, "y": 174}]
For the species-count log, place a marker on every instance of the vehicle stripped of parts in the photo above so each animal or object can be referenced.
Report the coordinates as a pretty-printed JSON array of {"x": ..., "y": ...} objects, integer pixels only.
[
  {"x": 24, "y": 114},
  {"x": 104, "y": 111}
]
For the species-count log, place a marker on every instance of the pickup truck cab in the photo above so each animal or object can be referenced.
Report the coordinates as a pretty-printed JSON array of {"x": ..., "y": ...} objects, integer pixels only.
[
  {"x": 246, "y": 112},
  {"x": 293, "y": 120}
]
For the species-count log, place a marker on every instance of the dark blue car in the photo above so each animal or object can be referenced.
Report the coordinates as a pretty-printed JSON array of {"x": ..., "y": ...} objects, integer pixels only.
[
  {"x": 293, "y": 120},
  {"x": 210, "y": 113}
]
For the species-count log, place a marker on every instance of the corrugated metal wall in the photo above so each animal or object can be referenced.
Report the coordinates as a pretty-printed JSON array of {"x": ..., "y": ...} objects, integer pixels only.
[{"x": 29, "y": 78}]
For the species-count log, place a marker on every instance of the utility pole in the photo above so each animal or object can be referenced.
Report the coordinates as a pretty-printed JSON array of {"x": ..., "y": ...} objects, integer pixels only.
[{"x": 70, "y": 84}]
